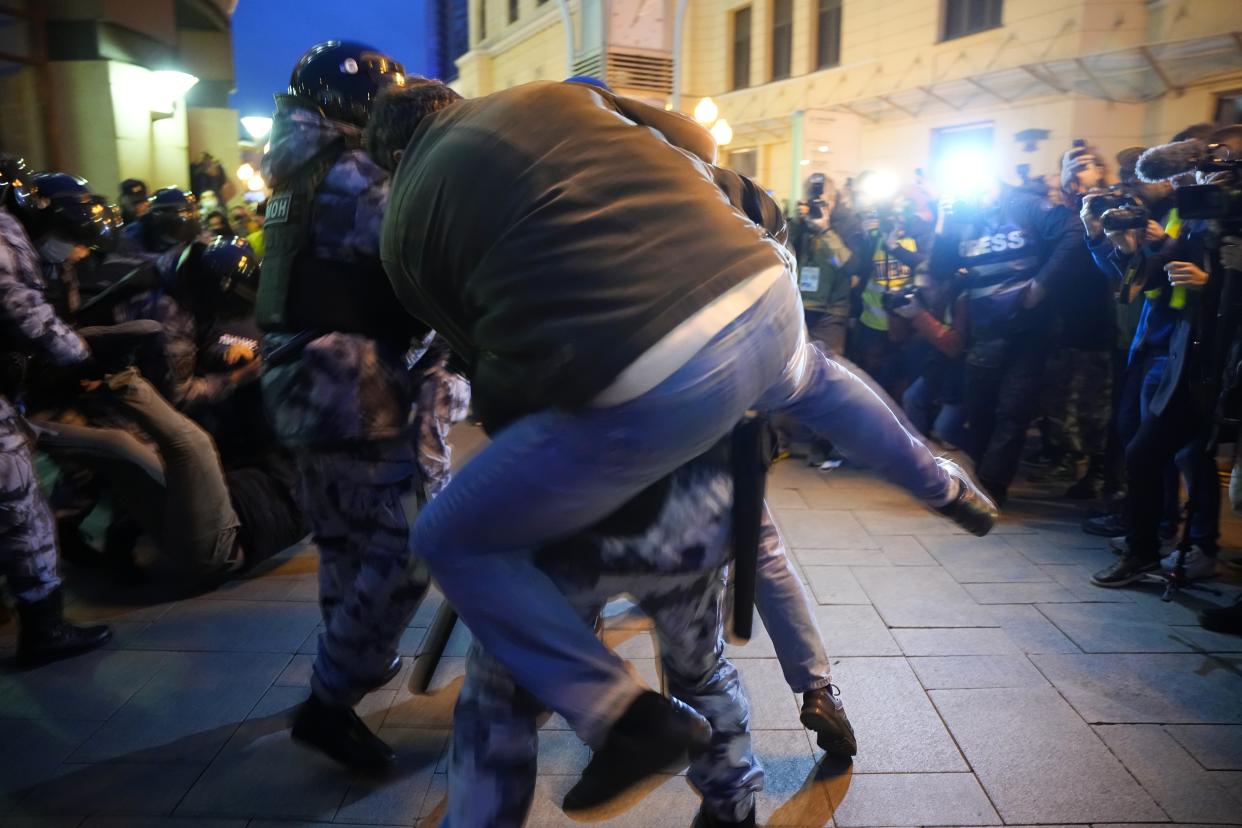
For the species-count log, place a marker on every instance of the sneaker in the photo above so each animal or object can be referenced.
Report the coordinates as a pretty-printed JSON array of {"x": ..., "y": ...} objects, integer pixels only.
[
  {"x": 705, "y": 819},
  {"x": 336, "y": 731},
  {"x": 1104, "y": 526},
  {"x": 1126, "y": 571},
  {"x": 823, "y": 713},
  {"x": 1197, "y": 565},
  {"x": 651, "y": 734},
  {"x": 1226, "y": 620}
]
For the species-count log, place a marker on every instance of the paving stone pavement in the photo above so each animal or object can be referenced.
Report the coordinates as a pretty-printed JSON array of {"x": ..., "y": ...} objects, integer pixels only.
[{"x": 988, "y": 682}]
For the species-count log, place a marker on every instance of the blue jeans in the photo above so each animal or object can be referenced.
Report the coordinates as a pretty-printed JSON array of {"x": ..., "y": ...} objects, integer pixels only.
[
  {"x": 554, "y": 473},
  {"x": 947, "y": 423},
  {"x": 785, "y": 607}
]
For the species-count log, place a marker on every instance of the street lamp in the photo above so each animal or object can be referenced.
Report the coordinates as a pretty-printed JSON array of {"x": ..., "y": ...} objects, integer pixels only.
[
  {"x": 167, "y": 86},
  {"x": 722, "y": 132},
  {"x": 245, "y": 172},
  {"x": 257, "y": 125},
  {"x": 705, "y": 111}
]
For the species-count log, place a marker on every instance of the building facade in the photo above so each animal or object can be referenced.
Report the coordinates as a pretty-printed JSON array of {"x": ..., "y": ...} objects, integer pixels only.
[
  {"x": 82, "y": 89},
  {"x": 838, "y": 86}
]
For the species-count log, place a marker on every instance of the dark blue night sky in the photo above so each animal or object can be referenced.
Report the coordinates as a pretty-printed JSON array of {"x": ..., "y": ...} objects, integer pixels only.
[{"x": 270, "y": 35}]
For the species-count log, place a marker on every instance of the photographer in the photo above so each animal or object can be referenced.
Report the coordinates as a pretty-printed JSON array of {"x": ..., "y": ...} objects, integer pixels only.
[
  {"x": 1078, "y": 378},
  {"x": 938, "y": 313},
  {"x": 893, "y": 242},
  {"x": 824, "y": 262},
  {"x": 1183, "y": 410},
  {"x": 1012, "y": 247},
  {"x": 1134, "y": 259}
]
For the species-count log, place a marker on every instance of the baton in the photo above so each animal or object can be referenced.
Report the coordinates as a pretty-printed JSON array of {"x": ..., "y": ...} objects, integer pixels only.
[{"x": 749, "y": 461}]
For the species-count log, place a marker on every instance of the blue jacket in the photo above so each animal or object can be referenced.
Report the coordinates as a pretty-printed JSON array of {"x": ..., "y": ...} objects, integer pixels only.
[{"x": 1158, "y": 320}]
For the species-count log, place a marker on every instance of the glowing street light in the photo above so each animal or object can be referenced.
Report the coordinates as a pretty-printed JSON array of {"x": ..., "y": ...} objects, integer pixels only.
[
  {"x": 167, "y": 86},
  {"x": 257, "y": 125},
  {"x": 256, "y": 183},
  {"x": 245, "y": 172},
  {"x": 722, "y": 132},
  {"x": 705, "y": 111}
]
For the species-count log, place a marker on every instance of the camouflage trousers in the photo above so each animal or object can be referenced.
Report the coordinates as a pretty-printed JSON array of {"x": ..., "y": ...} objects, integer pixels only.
[
  {"x": 1077, "y": 401},
  {"x": 27, "y": 530},
  {"x": 442, "y": 399},
  {"x": 495, "y": 745},
  {"x": 370, "y": 584}
]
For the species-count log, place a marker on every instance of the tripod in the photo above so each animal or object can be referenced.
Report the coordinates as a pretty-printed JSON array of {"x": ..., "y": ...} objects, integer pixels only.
[{"x": 1176, "y": 581}]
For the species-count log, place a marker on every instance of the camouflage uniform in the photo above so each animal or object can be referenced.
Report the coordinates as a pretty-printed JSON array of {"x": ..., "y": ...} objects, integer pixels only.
[
  {"x": 675, "y": 572},
  {"x": 1077, "y": 402},
  {"x": 27, "y": 531},
  {"x": 443, "y": 399},
  {"x": 343, "y": 404}
]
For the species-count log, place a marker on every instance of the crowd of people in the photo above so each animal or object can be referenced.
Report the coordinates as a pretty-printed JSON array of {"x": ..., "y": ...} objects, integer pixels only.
[
  {"x": 227, "y": 381},
  {"x": 1089, "y": 310}
]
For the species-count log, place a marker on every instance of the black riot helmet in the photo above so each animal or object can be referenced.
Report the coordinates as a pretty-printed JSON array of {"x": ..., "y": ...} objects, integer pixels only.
[
  {"x": 62, "y": 205},
  {"x": 172, "y": 217},
  {"x": 343, "y": 77},
  {"x": 222, "y": 277}
]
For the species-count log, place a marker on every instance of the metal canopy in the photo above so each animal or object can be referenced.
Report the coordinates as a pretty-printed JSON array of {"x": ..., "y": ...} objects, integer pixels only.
[{"x": 1132, "y": 75}]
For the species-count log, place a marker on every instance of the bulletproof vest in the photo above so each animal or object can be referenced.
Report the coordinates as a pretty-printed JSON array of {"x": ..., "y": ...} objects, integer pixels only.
[{"x": 301, "y": 292}]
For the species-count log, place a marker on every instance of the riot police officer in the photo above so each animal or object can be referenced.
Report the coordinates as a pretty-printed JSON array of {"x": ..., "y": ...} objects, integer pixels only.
[
  {"x": 210, "y": 282},
  {"x": 159, "y": 234},
  {"x": 59, "y": 211},
  {"x": 335, "y": 383}
]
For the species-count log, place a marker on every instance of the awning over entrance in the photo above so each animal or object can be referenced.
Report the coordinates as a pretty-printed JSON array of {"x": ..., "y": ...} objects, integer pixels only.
[{"x": 1132, "y": 75}]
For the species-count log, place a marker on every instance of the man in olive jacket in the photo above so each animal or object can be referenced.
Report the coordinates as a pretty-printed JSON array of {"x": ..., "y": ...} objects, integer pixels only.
[{"x": 618, "y": 313}]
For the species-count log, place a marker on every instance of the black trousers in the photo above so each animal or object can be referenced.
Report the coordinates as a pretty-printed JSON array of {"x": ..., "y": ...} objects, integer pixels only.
[
  {"x": 1158, "y": 440},
  {"x": 1002, "y": 384}
]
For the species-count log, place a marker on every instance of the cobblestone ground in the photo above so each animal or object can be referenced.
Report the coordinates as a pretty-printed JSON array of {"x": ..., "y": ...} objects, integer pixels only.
[{"x": 988, "y": 683}]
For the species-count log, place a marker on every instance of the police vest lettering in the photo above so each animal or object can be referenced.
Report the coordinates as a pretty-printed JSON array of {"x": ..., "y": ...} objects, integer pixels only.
[
  {"x": 994, "y": 243},
  {"x": 278, "y": 208}
]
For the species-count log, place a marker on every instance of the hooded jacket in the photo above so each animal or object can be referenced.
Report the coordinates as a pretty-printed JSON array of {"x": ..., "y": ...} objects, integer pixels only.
[{"x": 343, "y": 387}]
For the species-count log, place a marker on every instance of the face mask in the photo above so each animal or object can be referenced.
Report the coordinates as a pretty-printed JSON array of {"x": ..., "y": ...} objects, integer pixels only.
[{"x": 55, "y": 250}]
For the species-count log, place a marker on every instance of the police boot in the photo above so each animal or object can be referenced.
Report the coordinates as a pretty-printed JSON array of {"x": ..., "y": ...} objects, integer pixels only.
[
  {"x": 823, "y": 713},
  {"x": 337, "y": 731},
  {"x": 971, "y": 508},
  {"x": 651, "y": 734},
  {"x": 46, "y": 636},
  {"x": 705, "y": 819}
]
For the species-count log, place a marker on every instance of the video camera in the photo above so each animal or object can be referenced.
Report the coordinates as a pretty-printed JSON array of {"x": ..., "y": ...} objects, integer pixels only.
[
  {"x": 1210, "y": 201},
  {"x": 1222, "y": 201},
  {"x": 1127, "y": 217},
  {"x": 815, "y": 195},
  {"x": 1110, "y": 198},
  {"x": 893, "y": 300}
]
